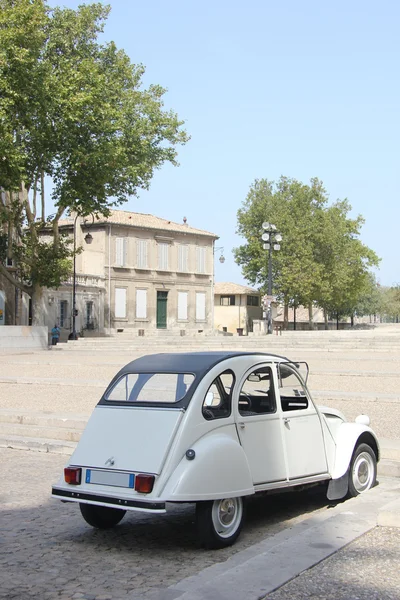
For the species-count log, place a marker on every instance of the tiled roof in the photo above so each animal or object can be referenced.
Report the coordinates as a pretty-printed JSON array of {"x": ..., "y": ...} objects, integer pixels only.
[
  {"x": 233, "y": 288},
  {"x": 144, "y": 221}
]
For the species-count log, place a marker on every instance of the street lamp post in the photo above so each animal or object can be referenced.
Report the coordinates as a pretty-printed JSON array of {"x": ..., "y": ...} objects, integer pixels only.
[
  {"x": 271, "y": 239},
  {"x": 221, "y": 260},
  {"x": 88, "y": 239}
]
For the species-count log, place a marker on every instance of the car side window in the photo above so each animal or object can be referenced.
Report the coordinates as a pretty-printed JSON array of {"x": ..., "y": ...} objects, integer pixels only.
[
  {"x": 217, "y": 403},
  {"x": 291, "y": 389},
  {"x": 257, "y": 395}
]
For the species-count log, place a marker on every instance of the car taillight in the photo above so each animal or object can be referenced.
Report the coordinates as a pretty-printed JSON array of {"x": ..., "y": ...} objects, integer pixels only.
[
  {"x": 73, "y": 475},
  {"x": 144, "y": 483}
]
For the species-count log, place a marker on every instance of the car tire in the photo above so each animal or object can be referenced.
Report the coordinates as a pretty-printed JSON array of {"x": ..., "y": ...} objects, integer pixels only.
[
  {"x": 362, "y": 472},
  {"x": 101, "y": 517},
  {"x": 219, "y": 522}
]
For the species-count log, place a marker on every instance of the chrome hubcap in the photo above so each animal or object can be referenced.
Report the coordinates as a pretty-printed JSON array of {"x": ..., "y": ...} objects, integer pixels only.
[
  {"x": 227, "y": 516},
  {"x": 363, "y": 472}
]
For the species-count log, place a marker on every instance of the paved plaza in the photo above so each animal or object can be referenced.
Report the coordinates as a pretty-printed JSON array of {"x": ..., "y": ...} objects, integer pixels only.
[{"x": 293, "y": 546}]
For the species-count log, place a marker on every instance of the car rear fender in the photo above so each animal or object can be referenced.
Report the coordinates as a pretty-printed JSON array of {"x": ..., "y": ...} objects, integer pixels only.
[
  {"x": 349, "y": 436},
  {"x": 219, "y": 469}
]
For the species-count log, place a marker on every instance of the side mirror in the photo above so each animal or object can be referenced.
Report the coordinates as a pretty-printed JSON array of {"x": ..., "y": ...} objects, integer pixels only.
[{"x": 254, "y": 377}]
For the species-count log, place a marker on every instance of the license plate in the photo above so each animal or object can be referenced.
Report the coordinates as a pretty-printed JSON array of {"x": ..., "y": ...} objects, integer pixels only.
[{"x": 112, "y": 478}]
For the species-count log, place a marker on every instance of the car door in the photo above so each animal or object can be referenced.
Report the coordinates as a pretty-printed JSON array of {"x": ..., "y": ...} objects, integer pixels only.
[
  {"x": 302, "y": 429},
  {"x": 258, "y": 425}
]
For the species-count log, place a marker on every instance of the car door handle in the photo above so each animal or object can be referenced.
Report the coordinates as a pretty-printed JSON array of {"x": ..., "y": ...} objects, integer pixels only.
[
  {"x": 286, "y": 421},
  {"x": 242, "y": 425}
]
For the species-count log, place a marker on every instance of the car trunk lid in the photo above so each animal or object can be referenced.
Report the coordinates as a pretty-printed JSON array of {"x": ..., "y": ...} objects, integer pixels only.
[{"x": 127, "y": 438}]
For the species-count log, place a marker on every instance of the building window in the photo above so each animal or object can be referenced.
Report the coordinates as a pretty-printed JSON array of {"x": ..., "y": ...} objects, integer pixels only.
[
  {"x": 63, "y": 313},
  {"x": 141, "y": 259},
  {"x": 163, "y": 256},
  {"x": 253, "y": 301},
  {"x": 200, "y": 259},
  {"x": 183, "y": 254},
  {"x": 182, "y": 306},
  {"x": 120, "y": 303},
  {"x": 200, "y": 306},
  {"x": 141, "y": 304},
  {"x": 121, "y": 247},
  {"x": 227, "y": 300}
]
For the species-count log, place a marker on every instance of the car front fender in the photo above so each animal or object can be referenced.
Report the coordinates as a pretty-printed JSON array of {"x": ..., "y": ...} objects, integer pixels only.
[
  {"x": 348, "y": 437},
  {"x": 219, "y": 469}
]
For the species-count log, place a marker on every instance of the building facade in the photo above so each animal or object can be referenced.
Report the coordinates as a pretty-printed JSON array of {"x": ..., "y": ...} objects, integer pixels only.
[{"x": 139, "y": 272}]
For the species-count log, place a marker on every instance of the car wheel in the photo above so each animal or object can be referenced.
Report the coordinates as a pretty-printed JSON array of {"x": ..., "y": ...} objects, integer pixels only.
[
  {"x": 219, "y": 522},
  {"x": 362, "y": 474},
  {"x": 101, "y": 517}
]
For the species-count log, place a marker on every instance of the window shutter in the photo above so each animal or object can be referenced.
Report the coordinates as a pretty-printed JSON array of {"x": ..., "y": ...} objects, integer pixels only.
[
  {"x": 119, "y": 251},
  {"x": 200, "y": 306},
  {"x": 163, "y": 256},
  {"x": 182, "y": 306},
  {"x": 141, "y": 304},
  {"x": 142, "y": 254},
  {"x": 120, "y": 303},
  {"x": 183, "y": 251},
  {"x": 200, "y": 259},
  {"x": 124, "y": 251}
]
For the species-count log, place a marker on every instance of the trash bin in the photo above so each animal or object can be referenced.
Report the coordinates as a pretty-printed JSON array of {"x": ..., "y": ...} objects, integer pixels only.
[{"x": 239, "y": 330}]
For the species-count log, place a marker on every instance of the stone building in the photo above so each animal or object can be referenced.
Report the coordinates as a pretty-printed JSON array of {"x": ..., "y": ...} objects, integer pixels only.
[{"x": 139, "y": 272}]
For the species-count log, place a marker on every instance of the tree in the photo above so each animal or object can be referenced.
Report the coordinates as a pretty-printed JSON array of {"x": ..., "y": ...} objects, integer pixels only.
[
  {"x": 293, "y": 207},
  {"x": 344, "y": 260},
  {"x": 321, "y": 259},
  {"x": 390, "y": 302},
  {"x": 75, "y": 110},
  {"x": 370, "y": 302}
]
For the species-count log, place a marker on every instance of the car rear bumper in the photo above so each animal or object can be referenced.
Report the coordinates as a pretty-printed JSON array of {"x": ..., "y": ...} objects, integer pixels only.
[{"x": 113, "y": 502}]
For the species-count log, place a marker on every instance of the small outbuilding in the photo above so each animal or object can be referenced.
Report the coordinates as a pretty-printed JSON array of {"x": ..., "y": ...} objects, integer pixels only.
[{"x": 236, "y": 307}]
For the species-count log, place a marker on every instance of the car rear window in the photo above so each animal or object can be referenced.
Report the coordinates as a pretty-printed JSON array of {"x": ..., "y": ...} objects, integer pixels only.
[{"x": 150, "y": 387}]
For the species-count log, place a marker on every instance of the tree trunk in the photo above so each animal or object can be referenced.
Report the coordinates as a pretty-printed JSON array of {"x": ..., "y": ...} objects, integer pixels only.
[
  {"x": 286, "y": 314},
  {"x": 337, "y": 320},
  {"x": 294, "y": 317},
  {"x": 326, "y": 320},
  {"x": 310, "y": 316},
  {"x": 37, "y": 309},
  {"x": 352, "y": 320}
]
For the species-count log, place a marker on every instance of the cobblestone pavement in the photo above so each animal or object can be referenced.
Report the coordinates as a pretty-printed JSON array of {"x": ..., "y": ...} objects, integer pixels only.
[
  {"x": 48, "y": 552},
  {"x": 367, "y": 569}
]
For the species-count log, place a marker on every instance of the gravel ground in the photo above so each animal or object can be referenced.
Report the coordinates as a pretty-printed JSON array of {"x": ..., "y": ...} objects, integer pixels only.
[
  {"x": 48, "y": 552},
  {"x": 367, "y": 569}
]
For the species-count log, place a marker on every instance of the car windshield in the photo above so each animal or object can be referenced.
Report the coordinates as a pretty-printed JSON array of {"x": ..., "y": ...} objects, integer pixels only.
[{"x": 151, "y": 387}]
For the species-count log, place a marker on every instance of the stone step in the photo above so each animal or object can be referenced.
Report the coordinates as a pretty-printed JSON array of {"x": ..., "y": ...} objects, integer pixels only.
[
  {"x": 37, "y": 444},
  {"x": 67, "y": 434},
  {"x": 43, "y": 419}
]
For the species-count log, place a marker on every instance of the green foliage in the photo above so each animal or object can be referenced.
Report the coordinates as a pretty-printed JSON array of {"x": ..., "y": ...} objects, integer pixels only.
[
  {"x": 390, "y": 303},
  {"x": 75, "y": 110},
  {"x": 321, "y": 259},
  {"x": 292, "y": 207}
]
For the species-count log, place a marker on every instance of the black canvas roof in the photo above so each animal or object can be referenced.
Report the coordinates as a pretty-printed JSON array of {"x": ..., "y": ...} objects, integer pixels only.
[{"x": 197, "y": 363}]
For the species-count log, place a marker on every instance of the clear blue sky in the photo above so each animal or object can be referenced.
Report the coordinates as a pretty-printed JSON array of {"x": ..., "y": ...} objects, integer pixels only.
[{"x": 302, "y": 88}]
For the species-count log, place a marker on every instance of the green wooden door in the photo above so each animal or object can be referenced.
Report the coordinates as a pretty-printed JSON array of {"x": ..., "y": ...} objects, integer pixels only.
[{"x": 162, "y": 310}]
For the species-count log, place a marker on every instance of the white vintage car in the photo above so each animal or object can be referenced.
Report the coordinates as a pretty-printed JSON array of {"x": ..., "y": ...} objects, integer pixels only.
[{"x": 211, "y": 428}]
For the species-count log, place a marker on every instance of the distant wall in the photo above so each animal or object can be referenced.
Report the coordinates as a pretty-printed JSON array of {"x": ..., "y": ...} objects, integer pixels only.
[{"x": 14, "y": 337}]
